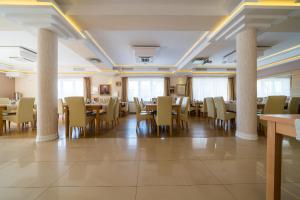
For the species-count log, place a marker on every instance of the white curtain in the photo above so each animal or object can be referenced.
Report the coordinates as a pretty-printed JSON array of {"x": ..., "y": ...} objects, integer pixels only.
[
  {"x": 70, "y": 87},
  {"x": 273, "y": 86},
  {"x": 210, "y": 87},
  {"x": 145, "y": 88}
]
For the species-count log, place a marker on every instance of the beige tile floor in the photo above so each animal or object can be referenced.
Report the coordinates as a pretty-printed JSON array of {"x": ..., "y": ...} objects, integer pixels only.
[{"x": 177, "y": 168}]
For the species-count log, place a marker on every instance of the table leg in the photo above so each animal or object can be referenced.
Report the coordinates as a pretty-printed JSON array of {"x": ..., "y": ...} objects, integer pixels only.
[
  {"x": 178, "y": 118},
  {"x": 67, "y": 122},
  {"x": 1, "y": 122},
  {"x": 274, "y": 147},
  {"x": 98, "y": 121}
]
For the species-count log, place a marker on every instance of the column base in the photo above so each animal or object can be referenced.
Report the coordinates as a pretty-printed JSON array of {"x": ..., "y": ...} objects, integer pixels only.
[
  {"x": 45, "y": 138},
  {"x": 246, "y": 136}
]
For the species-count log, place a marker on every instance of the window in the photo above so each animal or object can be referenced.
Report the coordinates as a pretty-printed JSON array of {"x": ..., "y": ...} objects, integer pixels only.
[
  {"x": 145, "y": 88},
  {"x": 210, "y": 87},
  {"x": 70, "y": 87},
  {"x": 273, "y": 86}
]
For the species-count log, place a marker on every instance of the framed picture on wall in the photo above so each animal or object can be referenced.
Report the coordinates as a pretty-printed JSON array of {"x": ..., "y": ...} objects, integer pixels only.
[
  {"x": 118, "y": 83},
  {"x": 180, "y": 89},
  {"x": 104, "y": 89},
  {"x": 172, "y": 89}
]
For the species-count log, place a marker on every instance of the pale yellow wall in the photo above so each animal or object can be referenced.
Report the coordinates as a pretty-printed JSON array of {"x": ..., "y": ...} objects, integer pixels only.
[
  {"x": 295, "y": 89},
  {"x": 7, "y": 86},
  {"x": 26, "y": 85},
  {"x": 96, "y": 80}
]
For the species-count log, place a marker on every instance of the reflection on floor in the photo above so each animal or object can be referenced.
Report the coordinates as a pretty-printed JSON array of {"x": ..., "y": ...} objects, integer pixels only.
[
  {"x": 198, "y": 127},
  {"x": 206, "y": 166}
]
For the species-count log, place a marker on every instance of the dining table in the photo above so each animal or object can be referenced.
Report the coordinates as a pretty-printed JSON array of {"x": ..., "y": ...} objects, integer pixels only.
[
  {"x": 175, "y": 107},
  {"x": 98, "y": 108},
  {"x": 278, "y": 126}
]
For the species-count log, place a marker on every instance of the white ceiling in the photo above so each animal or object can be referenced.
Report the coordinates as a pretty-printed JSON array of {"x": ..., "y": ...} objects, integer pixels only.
[
  {"x": 66, "y": 57},
  {"x": 174, "y": 25},
  {"x": 173, "y": 44}
]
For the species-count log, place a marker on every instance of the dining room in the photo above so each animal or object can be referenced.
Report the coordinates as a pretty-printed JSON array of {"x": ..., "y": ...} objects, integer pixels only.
[{"x": 140, "y": 100}]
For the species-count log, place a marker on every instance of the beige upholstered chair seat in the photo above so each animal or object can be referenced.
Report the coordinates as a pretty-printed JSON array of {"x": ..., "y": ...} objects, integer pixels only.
[{"x": 221, "y": 111}]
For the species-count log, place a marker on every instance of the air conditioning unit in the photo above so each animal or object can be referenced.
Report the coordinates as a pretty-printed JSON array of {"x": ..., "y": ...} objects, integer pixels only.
[
  {"x": 18, "y": 53},
  {"x": 145, "y": 54}
]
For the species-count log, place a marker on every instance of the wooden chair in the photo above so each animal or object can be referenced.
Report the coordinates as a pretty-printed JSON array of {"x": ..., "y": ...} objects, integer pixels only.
[
  {"x": 203, "y": 108},
  {"x": 184, "y": 114},
  {"x": 60, "y": 108},
  {"x": 78, "y": 117},
  {"x": 23, "y": 115},
  {"x": 164, "y": 113},
  {"x": 141, "y": 116},
  {"x": 108, "y": 116},
  {"x": 222, "y": 115},
  {"x": 211, "y": 110},
  {"x": 274, "y": 105},
  {"x": 116, "y": 111},
  {"x": 293, "y": 106}
]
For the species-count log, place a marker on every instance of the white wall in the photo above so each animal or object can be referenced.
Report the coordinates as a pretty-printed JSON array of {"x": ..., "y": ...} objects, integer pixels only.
[
  {"x": 295, "y": 89},
  {"x": 7, "y": 86},
  {"x": 97, "y": 80},
  {"x": 26, "y": 85}
]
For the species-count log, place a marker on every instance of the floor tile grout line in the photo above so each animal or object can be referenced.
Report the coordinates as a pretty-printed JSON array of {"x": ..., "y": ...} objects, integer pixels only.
[{"x": 54, "y": 181}]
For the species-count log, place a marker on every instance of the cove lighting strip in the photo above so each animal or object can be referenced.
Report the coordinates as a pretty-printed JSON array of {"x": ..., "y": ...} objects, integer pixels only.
[
  {"x": 279, "y": 62},
  {"x": 234, "y": 13},
  {"x": 42, "y": 3}
]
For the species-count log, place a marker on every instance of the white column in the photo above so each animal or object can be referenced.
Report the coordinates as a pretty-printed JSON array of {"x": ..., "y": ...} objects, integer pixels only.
[
  {"x": 246, "y": 85},
  {"x": 47, "y": 119}
]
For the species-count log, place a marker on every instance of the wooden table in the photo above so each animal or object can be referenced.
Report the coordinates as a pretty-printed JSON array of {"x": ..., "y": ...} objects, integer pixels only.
[
  {"x": 176, "y": 107},
  {"x": 92, "y": 107},
  {"x": 278, "y": 126}
]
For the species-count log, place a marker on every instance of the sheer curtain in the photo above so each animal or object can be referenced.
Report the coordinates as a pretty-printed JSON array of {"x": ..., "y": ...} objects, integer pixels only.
[
  {"x": 145, "y": 88},
  {"x": 273, "y": 86},
  {"x": 70, "y": 87},
  {"x": 210, "y": 87}
]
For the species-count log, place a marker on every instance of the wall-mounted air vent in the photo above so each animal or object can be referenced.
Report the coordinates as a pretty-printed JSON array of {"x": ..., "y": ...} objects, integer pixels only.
[
  {"x": 145, "y": 54},
  {"x": 18, "y": 53}
]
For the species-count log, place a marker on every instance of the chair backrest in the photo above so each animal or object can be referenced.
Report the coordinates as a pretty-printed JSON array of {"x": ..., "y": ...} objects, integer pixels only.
[
  {"x": 116, "y": 108},
  {"x": 110, "y": 111},
  {"x": 142, "y": 103},
  {"x": 211, "y": 111},
  {"x": 220, "y": 107},
  {"x": 294, "y": 104},
  {"x": 60, "y": 106},
  {"x": 25, "y": 110},
  {"x": 4, "y": 101},
  {"x": 204, "y": 105},
  {"x": 77, "y": 111},
  {"x": 164, "y": 110},
  {"x": 275, "y": 105},
  {"x": 185, "y": 105},
  {"x": 138, "y": 109},
  {"x": 179, "y": 100}
]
